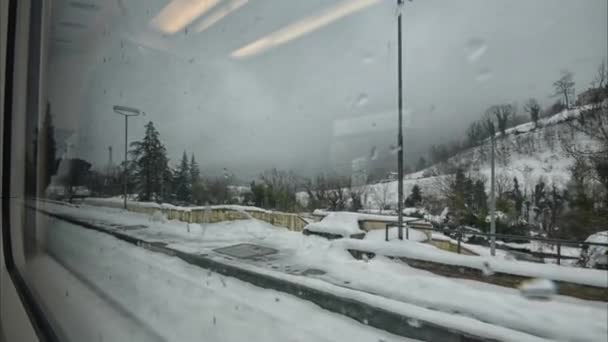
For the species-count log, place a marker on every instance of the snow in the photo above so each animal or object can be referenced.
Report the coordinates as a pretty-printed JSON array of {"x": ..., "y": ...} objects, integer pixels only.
[
  {"x": 597, "y": 254},
  {"x": 366, "y": 217},
  {"x": 546, "y": 160},
  {"x": 117, "y": 202},
  {"x": 477, "y": 249},
  {"x": 501, "y": 314},
  {"x": 419, "y": 251},
  {"x": 393, "y": 234},
  {"x": 176, "y": 301},
  {"x": 339, "y": 223}
]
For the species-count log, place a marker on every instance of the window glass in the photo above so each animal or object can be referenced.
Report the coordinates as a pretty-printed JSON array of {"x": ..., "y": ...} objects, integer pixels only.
[{"x": 239, "y": 169}]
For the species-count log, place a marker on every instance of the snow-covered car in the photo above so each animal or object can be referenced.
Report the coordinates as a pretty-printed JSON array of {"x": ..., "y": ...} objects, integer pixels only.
[{"x": 596, "y": 256}]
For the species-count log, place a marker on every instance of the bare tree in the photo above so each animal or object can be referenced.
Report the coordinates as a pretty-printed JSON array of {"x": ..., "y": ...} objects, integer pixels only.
[
  {"x": 564, "y": 87},
  {"x": 317, "y": 191},
  {"x": 503, "y": 113},
  {"x": 593, "y": 123},
  {"x": 358, "y": 196},
  {"x": 504, "y": 184},
  {"x": 381, "y": 194},
  {"x": 532, "y": 107},
  {"x": 281, "y": 187},
  {"x": 601, "y": 77},
  {"x": 338, "y": 192}
]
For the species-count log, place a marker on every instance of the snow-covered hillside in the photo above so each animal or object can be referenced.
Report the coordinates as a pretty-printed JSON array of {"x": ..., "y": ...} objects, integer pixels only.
[{"x": 524, "y": 152}]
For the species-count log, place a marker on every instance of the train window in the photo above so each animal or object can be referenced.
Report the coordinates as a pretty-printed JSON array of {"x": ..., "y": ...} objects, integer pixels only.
[{"x": 309, "y": 170}]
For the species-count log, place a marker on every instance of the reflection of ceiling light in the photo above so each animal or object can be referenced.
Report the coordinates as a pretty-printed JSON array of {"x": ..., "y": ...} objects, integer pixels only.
[
  {"x": 180, "y": 13},
  {"x": 303, "y": 27},
  {"x": 84, "y": 6},
  {"x": 219, "y": 14},
  {"x": 61, "y": 40},
  {"x": 72, "y": 24}
]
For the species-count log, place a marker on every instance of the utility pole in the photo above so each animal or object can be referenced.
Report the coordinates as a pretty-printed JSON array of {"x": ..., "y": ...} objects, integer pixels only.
[
  {"x": 493, "y": 198},
  {"x": 126, "y": 112},
  {"x": 400, "y": 135},
  {"x": 110, "y": 156}
]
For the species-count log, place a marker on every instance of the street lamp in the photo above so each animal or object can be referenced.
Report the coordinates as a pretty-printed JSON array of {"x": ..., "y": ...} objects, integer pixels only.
[
  {"x": 400, "y": 135},
  {"x": 126, "y": 112}
]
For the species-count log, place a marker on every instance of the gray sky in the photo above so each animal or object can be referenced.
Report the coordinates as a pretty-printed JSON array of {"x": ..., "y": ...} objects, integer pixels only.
[{"x": 319, "y": 101}]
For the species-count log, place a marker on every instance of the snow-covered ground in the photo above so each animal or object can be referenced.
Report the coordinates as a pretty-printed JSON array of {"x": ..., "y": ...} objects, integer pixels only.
[
  {"x": 493, "y": 311},
  {"x": 161, "y": 298}
]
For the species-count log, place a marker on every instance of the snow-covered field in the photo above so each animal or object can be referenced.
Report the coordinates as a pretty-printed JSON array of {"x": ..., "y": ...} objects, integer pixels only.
[{"x": 476, "y": 307}]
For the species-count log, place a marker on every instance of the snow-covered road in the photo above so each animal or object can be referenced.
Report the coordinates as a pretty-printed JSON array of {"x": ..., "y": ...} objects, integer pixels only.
[{"x": 151, "y": 296}]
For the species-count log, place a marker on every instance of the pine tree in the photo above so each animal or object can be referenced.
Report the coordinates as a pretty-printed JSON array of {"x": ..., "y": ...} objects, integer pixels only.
[
  {"x": 182, "y": 181},
  {"x": 480, "y": 198},
  {"x": 518, "y": 198},
  {"x": 415, "y": 197},
  {"x": 49, "y": 153},
  {"x": 195, "y": 172},
  {"x": 151, "y": 166},
  {"x": 421, "y": 164}
]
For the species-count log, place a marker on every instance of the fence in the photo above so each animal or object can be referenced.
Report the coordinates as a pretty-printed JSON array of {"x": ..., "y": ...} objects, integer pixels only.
[{"x": 459, "y": 232}]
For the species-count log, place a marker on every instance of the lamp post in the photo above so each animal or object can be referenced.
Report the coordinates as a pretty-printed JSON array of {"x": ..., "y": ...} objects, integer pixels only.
[
  {"x": 400, "y": 135},
  {"x": 126, "y": 112}
]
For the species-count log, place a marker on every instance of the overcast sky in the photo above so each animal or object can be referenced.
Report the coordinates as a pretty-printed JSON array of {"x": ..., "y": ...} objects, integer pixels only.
[{"x": 320, "y": 101}]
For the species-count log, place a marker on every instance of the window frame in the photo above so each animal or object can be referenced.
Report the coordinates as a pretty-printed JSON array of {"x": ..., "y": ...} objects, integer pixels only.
[{"x": 30, "y": 15}]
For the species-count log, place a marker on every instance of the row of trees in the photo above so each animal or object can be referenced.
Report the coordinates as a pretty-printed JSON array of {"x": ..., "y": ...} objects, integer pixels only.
[{"x": 500, "y": 117}]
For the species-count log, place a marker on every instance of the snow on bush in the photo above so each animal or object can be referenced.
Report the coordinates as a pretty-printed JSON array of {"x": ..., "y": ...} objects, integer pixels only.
[{"x": 596, "y": 256}]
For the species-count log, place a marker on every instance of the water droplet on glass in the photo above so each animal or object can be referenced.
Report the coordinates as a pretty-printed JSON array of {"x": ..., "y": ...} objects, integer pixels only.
[
  {"x": 394, "y": 149},
  {"x": 368, "y": 58},
  {"x": 476, "y": 48},
  {"x": 214, "y": 320},
  {"x": 414, "y": 323},
  {"x": 365, "y": 321},
  {"x": 373, "y": 155},
  {"x": 432, "y": 108},
  {"x": 361, "y": 100},
  {"x": 542, "y": 289},
  {"x": 483, "y": 75},
  {"x": 486, "y": 270},
  {"x": 276, "y": 299}
]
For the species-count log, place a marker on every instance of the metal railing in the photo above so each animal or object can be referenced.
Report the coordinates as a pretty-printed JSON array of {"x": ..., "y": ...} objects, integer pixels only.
[{"x": 460, "y": 232}]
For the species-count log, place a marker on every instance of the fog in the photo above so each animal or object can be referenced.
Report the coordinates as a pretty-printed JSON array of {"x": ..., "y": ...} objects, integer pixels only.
[{"x": 319, "y": 101}]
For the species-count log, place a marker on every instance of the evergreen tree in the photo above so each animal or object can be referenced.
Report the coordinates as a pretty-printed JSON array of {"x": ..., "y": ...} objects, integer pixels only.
[
  {"x": 151, "y": 166},
  {"x": 182, "y": 183},
  {"x": 468, "y": 193},
  {"x": 195, "y": 172},
  {"x": 49, "y": 152},
  {"x": 198, "y": 187},
  {"x": 480, "y": 198},
  {"x": 518, "y": 198},
  {"x": 555, "y": 205},
  {"x": 415, "y": 197},
  {"x": 421, "y": 164}
]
